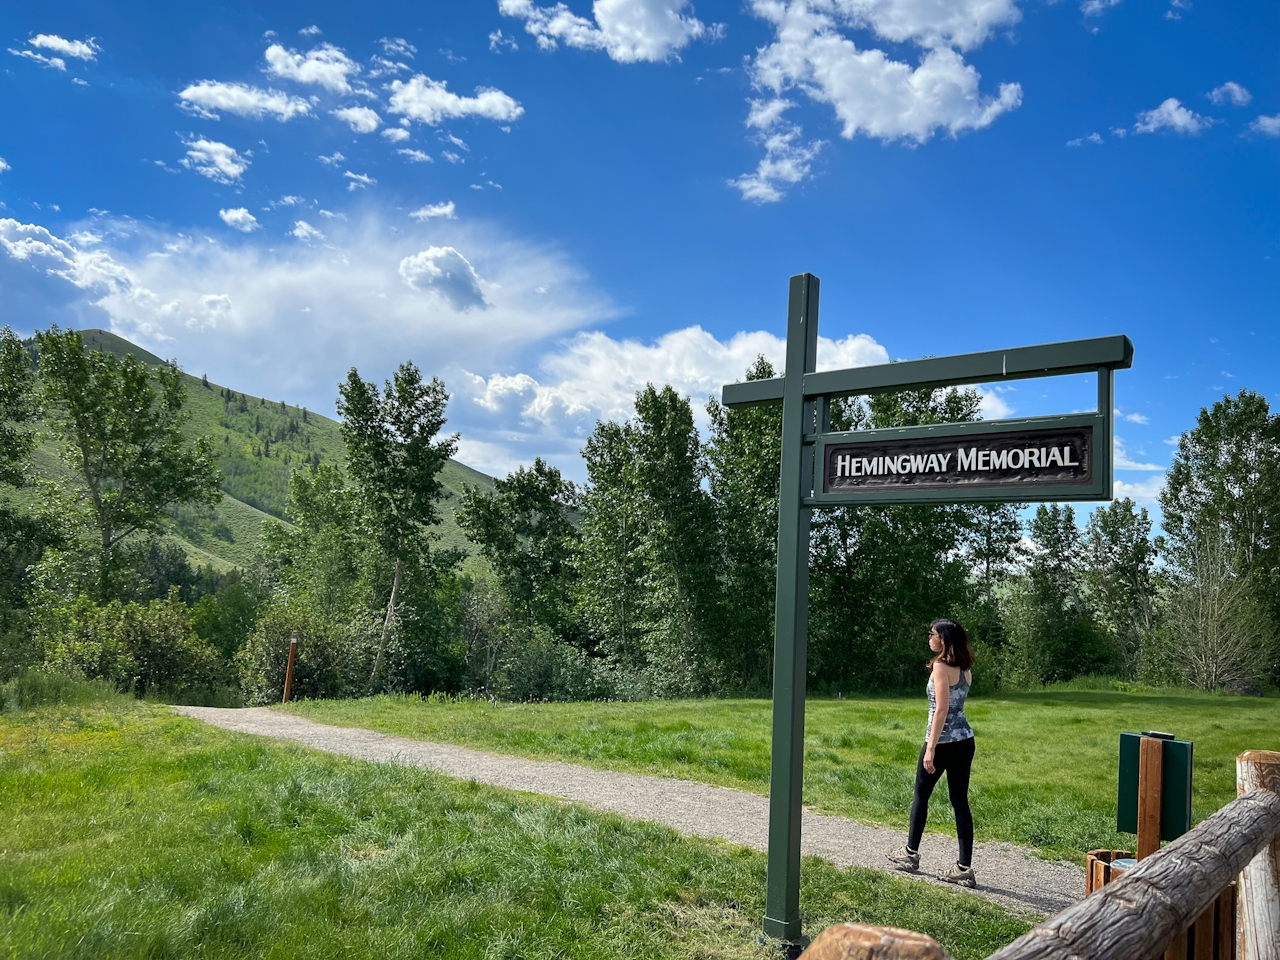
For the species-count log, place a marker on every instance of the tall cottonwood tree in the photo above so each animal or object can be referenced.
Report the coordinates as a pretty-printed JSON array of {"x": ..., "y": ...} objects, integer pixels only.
[
  {"x": 394, "y": 458},
  {"x": 525, "y": 530},
  {"x": 878, "y": 575},
  {"x": 649, "y": 551},
  {"x": 119, "y": 425},
  {"x": 17, "y": 409},
  {"x": 1119, "y": 564},
  {"x": 1222, "y": 494},
  {"x": 611, "y": 559},
  {"x": 744, "y": 457}
]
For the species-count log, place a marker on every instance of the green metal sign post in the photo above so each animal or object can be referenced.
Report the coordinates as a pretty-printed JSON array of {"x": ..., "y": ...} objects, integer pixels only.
[{"x": 1029, "y": 459}]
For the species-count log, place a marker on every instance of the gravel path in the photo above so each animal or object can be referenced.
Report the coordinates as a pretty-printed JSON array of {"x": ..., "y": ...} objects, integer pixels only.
[{"x": 1008, "y": 875}]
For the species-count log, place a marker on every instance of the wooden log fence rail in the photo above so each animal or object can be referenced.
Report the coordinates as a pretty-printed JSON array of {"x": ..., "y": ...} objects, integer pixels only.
[{"x": 1148, "y": 909}]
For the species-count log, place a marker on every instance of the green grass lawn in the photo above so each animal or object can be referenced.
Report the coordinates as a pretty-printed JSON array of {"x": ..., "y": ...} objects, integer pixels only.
[
  {"x": 1045, "y": 773},
  {"x": 129, "y": 832}
]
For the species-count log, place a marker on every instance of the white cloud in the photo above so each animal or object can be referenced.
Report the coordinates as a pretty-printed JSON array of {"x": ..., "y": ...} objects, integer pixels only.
[
  {"x": 151, "y": 285},
  {"x": 80, "y": 49},
  {"x": 1172, "y": 115},
  {"x": 311, "y": 31},
  {"x": 447, "y": 272},
  {"x": 871, "y": 94},
  {"x": 628, "y": 30},
  {"x": 1094, "y": 8},
  {"x": 1266, "y": 126},
  {"x": 209, "y": 96},
  {"x": 326, "y": 65},
  {"x": 451, "y": 156},
  {"x": 1124, "y": 462},
  {"x": 239, "y": 219},
  {"x": 359, "y": 180},
  {"x": 433, "y": 210},
  {"x": 217, "y": 161},
  {"x": 417, "y": 156},
  {"x": 787, "y": 160},
  {"x": 382, "y": 67},
  {"x": 53, "y": 63},
  {"x": 361, "y": 119},
  {"x": 1134, "y": 417},
  {"x": 397, "y": 47},
  {"x": 332, "y": 160},
  {"x": 305, "y": 231},
  {"x": 429, "y": 101},
  {"x": 498, "y": 41},
  {"x": 290, "y": 200},
  {"x": 594, "y": 376},
  {"x": 396, "y": 134},
  {"x": 1232, "y": 93},
  {"x": 1081, "y": 141},
  {"x": 1145, "y": 493},
  {"x": 4, "y": 165}
]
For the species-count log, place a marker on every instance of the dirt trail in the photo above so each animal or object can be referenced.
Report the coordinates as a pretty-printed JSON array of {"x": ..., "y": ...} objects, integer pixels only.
[{"x": 1008, "y": 875}]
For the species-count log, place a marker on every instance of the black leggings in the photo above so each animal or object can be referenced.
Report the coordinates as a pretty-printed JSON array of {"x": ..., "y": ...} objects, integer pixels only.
[{"x": 956, "y": 759}]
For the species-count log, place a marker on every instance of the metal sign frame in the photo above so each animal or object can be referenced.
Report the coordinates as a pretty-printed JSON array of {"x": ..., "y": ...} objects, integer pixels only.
[{"x": 806, "y": 429}]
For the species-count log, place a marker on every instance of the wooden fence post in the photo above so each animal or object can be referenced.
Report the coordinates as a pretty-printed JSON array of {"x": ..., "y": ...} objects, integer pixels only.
[
  {"x": 1259, "y": 924},
  {"x": 1150, "y": 795},
  {"x": 288, "y": 673}
]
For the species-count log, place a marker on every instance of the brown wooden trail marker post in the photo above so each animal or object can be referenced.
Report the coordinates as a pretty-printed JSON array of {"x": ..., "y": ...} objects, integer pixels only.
[
  {"x": 1022, "y": 460},
  {"x": 288, "y": 672}
]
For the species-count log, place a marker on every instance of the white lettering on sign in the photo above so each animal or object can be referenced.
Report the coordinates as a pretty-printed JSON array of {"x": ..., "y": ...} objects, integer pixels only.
[{"x": 968, "y": 460}]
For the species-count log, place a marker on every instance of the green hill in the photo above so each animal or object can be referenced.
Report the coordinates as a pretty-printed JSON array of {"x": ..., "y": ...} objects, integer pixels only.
[{"x": 258, "y": 443}]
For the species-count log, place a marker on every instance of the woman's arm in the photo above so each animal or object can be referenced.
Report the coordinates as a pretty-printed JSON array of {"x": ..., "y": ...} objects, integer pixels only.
[{"x": 942, "y": 700}]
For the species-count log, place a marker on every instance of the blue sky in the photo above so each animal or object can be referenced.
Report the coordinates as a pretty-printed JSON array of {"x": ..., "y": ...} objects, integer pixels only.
[{"x": 548, "y": 205}]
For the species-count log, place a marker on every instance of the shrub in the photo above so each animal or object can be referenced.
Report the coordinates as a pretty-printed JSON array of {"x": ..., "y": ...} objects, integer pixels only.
[
  {"x": 149, "y": 648},
  {"x": 330, "y": 660}
]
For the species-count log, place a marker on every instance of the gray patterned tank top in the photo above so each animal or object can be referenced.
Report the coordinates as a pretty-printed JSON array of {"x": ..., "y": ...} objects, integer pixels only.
[{"x": 956, "y": 726}]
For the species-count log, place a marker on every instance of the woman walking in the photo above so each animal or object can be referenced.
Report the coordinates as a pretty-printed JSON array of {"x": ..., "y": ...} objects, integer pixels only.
[{"x": 948, "y": 749}]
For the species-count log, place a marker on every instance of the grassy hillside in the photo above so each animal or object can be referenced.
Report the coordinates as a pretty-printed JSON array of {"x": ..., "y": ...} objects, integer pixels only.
[{"x": 258, "y": 443}]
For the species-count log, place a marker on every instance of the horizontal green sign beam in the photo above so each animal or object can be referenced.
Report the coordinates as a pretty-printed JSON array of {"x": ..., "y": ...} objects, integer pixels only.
[{"x": 992, "y": 366}]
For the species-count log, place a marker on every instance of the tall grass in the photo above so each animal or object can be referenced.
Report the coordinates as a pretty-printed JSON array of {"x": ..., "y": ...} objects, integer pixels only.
[
  {"x": 37, "y": 687},
  {"x": 1044, "y": 775},
  {"x": 132, "y": 833}
]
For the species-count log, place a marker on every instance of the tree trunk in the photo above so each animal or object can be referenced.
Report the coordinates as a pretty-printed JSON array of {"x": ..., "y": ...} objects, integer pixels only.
[{"x": 386, "y": 624}]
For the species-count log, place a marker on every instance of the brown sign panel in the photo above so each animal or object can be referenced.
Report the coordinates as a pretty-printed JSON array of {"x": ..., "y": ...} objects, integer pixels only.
[{"x": 1053, "y": 457}]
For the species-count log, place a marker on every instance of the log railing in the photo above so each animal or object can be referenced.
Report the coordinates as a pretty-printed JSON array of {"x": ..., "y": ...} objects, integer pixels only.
[{"x": 1139, "y": 915}]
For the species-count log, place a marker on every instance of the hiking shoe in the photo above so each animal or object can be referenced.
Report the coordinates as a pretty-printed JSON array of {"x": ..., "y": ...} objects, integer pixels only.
[
  {"x": 904, "y": 859},
  {"x": 961, "y": 875}
]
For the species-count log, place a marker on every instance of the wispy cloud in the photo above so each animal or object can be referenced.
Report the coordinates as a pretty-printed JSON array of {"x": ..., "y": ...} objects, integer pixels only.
[
  {"x": 217, "y": 161},
  {"x": 360, "y": 119},
  {"x": 435, "y": 210},
  {"x": 430, "y": 101},
  {"x": 649, "y": 30},
  {"x": 207, "y": 97},
  {"x": 1173, "y": 116},
  {"x": 1232, "y": 93},
  {"x": 326, "y": 66},
  {"x": 80, "y": 49},
  {"x": 238, "y": 218}
]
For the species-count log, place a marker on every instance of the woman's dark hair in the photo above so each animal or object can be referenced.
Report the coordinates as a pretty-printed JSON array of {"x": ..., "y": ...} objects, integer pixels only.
[{"x": 956, "y": 651}]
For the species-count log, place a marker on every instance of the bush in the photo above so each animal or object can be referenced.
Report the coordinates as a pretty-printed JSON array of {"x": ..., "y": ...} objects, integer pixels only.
[
  {"x": 539, "y": 667},
  {"x": 332, "y": 660},
  {"x": 140, "y": 648}
]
